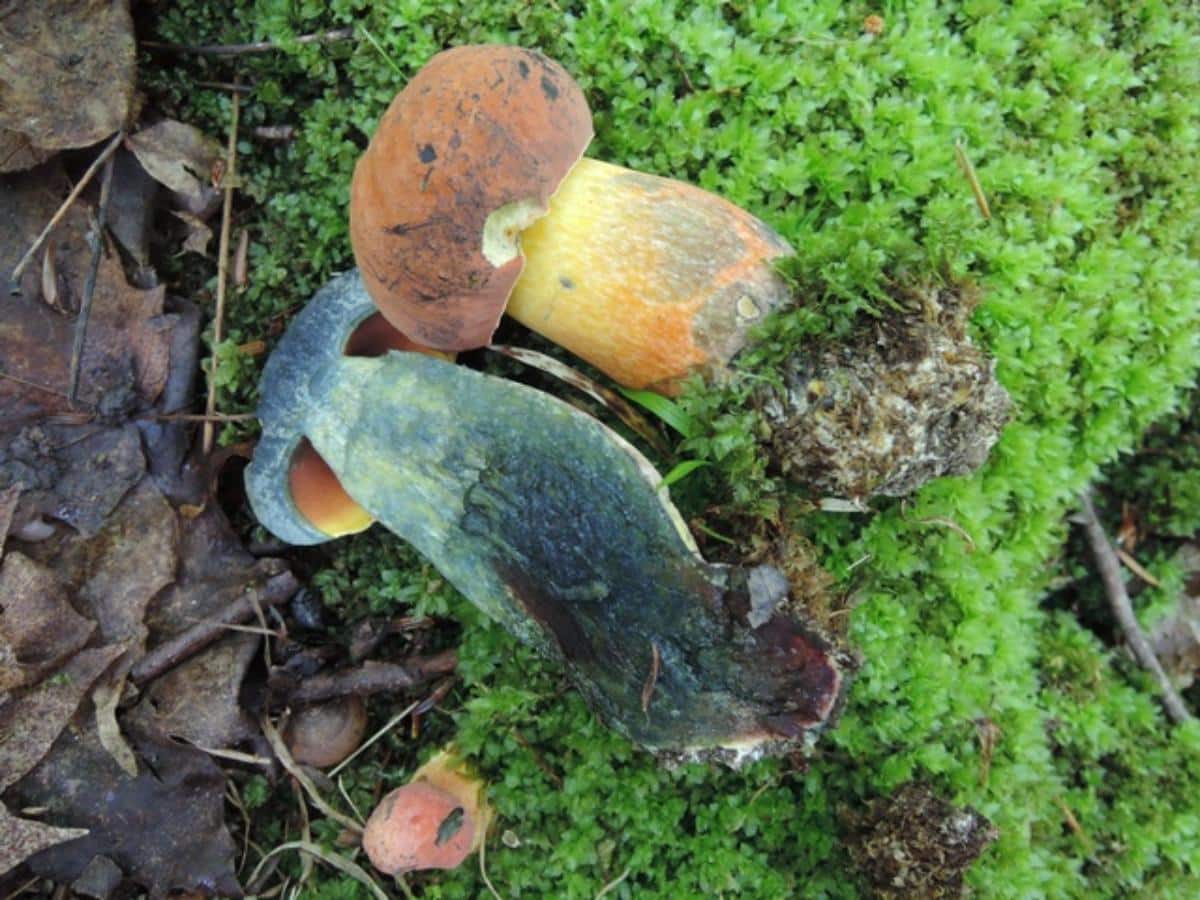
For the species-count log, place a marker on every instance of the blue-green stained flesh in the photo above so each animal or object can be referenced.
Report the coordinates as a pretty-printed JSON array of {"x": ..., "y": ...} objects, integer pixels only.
[{"x": 549, "y": 522}]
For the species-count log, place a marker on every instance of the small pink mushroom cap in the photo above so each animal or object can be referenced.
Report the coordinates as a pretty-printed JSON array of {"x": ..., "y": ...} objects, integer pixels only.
[{"x": 434, "y": 822}]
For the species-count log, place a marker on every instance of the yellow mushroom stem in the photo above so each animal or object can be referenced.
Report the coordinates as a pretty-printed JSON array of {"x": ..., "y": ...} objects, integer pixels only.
[
  {"x": 320, "y": 497},
  {"x": 647, "y": 278}
]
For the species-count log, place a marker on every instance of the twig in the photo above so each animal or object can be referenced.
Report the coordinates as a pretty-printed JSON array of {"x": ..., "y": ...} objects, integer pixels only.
[
  {"x": 651, "y": 679},
  {"x": 483, "y": 869},
  {"x": 538, "y": 759},
  {"x": 329, "y": 858},
  {"x": 89, "y": 283},
  {"x": 1114, "y": 586},
  {"x": 391, "y": 723},
  {"x": 964, "y": 163},
  {"x": 614, "y": 884},
  {"x": 1073, "y": 823},
  {"x": 222, "y": 272},
  {"x": 620, "y": 407},
  {"x": 1137, "y": 568},
  {"x": 227, "y": 86},
  {"x": 374, "y": 677},
  {"x": 324, "y": 37},
  {"x": 66, "y": 204},
  {"x": 30, "y": 384},
  {"x": 199, "y": 417},
  {"x": 183, "y": 646}
]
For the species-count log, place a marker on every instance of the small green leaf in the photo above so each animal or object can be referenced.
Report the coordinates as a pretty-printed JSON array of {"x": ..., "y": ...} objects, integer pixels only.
[
  {"x": 682, "y": 471},
  {"x": 667, "y": 410}
]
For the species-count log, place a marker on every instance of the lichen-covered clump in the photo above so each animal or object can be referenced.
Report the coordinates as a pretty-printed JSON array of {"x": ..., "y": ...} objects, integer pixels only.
[
  {"x": 915, "y": 844},
  {"x": 907, "y": 399}
]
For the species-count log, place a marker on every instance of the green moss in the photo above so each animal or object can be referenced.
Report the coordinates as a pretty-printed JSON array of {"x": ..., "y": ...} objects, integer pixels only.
[{"x": 1081, "y": 120}]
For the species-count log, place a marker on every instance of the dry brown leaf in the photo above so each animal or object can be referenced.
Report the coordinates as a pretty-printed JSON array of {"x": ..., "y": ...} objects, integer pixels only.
[
  {"x": 17, "y": 153},
  {"x": 127, "y": 352},
  {"x": 31, "y": 721},
  {"x": 131, "y": 559},
  {"x": 21, "y": 838},
  {"x": 67, "y": 71},
  {"x": 39, "y": 628},
  {"x": 165, "y": 828},
  {"x": 8, "y": 505},
  {"x": 198, "y": 700},
  {"x": 181, "y": 158},
  {"x": 77, "y": 474},
  {"x": 198, "y": 233},
  {"x": 105, "y": 697},
  {"x": 1176, "y": 637}
]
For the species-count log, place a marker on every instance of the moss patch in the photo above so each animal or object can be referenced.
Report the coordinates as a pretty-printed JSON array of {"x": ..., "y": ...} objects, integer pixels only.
[{"x": 1081, "y": 120}]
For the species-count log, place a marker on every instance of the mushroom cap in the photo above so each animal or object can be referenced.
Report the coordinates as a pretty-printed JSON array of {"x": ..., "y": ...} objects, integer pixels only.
[
  {"x": 419, "y": 826},
  {"x": 326, "y": 733},
  {"x": 465, "y": 158}
]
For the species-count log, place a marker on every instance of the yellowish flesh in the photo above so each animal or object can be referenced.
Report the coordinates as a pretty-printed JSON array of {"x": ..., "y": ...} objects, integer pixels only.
[{"x": 627, "y": 269}]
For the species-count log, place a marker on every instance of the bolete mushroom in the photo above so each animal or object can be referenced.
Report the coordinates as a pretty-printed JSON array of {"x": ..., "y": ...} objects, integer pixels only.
[
  {"x": 435, "y": 821},
  {"x": 553, "y": 525},
  {"x": 473, "y": 194}
]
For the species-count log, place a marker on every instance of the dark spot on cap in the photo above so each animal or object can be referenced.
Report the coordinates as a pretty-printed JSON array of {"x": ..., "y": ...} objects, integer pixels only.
[
  {"x": 523, "y": 68},
  {"x": 455, "y": 141},
  {"x": 549, "y": 88},
  {"x": 451, "y": 825},
  {"x": 566, "y": 282},
  {"x": 427, "y": 154}
]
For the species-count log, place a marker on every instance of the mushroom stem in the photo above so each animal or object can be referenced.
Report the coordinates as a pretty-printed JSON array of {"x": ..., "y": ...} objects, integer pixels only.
[
  {"x": 555, "y": 527},
  {"x": 647, "y": 278}
]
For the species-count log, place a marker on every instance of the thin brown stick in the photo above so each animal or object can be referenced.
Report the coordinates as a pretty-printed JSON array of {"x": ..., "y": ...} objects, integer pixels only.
[
  {"x": 1114, "y": 587},
  {"x": 285, "y": 759},
  {"x": 89, "y": 283},
  {"x": 199, "y": 417},
  {"x": 538, "y": 759},
  {"x": 324, "y": 37},
  {"x": 651, "y": 679},
  {"x": 30, "y": 384},
  {"x": 227, "y": 86},
  {"x": 964, "y": 163},
  {"x": 1137, "y": 568},
  {"x": 620, "y": 407},
  {"x": 100, "y": 160},
  {"x": 183, "y": 646},
  {"x": 374, "y": 677},
  {"x": 210, "y": 406}
]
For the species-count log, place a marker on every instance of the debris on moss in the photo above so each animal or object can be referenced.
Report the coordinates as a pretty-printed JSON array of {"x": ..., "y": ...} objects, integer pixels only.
[{"x": 914, "y": 844}]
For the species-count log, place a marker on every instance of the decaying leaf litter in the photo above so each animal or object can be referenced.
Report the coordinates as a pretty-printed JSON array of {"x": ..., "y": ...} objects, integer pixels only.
[
  {"x": 134, "y": 380},
  {"x": 132, "y": 615}
]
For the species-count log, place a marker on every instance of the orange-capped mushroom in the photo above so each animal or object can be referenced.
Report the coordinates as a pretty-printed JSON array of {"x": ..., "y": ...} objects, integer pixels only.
[
  {"x": 465, "y": 158},
  {"x": 435, "y": 821},
  {"x": 473, "y": 195}
]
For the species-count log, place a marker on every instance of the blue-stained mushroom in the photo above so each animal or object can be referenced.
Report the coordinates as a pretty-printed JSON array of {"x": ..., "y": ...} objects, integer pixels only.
[{"x": 552, "y": 524}]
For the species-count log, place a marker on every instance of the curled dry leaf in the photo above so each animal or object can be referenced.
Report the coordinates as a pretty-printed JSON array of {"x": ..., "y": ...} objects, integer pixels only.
[
  {"x": 182, "y": 158},
  {"x": 69, "y": 73}
]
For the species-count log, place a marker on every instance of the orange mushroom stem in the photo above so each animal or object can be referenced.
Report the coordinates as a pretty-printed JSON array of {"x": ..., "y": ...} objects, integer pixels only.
[{"x": 435, "y": 821}]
